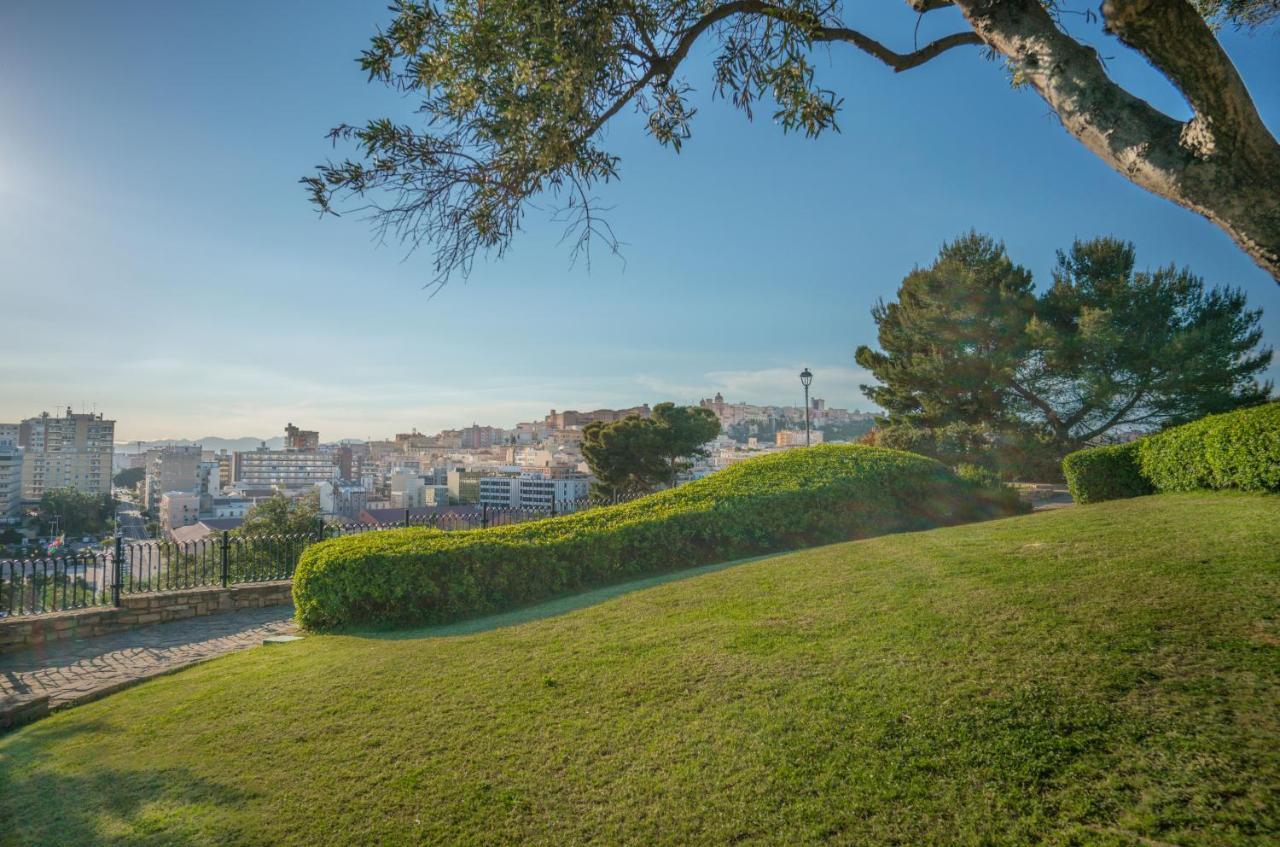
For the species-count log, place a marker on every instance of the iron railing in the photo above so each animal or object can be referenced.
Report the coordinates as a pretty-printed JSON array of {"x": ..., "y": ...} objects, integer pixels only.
[{"x": 96, "y": 578}]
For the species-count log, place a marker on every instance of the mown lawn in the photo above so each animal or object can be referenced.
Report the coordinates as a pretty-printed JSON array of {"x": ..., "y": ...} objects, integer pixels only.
[{"x": 1106, "y": 674}]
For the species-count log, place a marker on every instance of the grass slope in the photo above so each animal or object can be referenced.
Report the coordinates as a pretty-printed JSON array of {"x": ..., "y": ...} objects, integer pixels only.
[{"x": 1107, "y": 675}]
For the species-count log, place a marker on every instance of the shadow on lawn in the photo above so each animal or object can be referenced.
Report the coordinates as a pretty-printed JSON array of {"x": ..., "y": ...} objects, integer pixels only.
[
  {"x": 550, "y": 608},
  {"x": 42, "y": 804}
]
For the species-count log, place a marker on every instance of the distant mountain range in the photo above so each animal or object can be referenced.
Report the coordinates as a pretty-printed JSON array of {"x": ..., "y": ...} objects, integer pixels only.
[{"x": 211, "y": 442}]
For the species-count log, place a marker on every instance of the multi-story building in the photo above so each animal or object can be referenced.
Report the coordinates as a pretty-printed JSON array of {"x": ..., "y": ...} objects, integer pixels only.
[
  {"x": 10, "y": 479},
  {"x": 172, "y": 468},
  {"x": 263, "y": 468},
  {"x": 795, "y": 437},
  {"x": 406, "y": 489},
  {"x": 9, "y": 434},
  {"x": 177, "y": 509},
  {"x": 535, "y": 490},
  {"x": 343, "y": 499},
  {"x": 73, "y": 451},
  {"x": 464, "y": 485},
  {"x": 300, "y": 439}
]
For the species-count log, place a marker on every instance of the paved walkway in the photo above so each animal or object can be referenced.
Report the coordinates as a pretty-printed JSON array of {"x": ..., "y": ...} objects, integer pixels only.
[{"x": 72, "y": 671}]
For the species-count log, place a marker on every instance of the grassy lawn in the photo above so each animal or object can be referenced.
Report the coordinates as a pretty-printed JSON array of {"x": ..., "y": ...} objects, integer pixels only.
[{"x": 1106, "y": 674}]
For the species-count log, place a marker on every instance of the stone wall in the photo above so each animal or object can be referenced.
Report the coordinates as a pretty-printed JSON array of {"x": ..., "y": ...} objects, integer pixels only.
[{"x": 136, "y": 610}]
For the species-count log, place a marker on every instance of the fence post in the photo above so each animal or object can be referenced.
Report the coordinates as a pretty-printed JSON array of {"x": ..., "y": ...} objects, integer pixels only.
[
  {"x": 117, "y": 569},
  {"x": 553, "y": 501},
  {"x": 226, "y": 558},
  {"x": 320, "y": 528},
  {"x": 406, "y": 518},
  {"x": 484, "y": 515}
]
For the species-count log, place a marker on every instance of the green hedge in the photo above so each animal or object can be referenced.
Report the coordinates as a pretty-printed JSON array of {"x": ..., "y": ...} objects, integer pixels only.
[
  {"x": 1238, "y": 450},
  {"x": 786, "y": 500},
  {"x": 1105, "y": 473}
]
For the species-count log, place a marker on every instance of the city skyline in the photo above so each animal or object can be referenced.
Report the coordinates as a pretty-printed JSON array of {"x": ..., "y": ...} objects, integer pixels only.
[
  {"x": 190, "y": 288},
  {"x": 738, "y": 387}
]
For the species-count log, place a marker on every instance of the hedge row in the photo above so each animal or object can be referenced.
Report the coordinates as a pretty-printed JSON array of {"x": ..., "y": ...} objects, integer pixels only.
[
  {"x": 798, "y": 498},
  {"x": 1238, "y": 450},
  {"x": 1105, "y": 473}
]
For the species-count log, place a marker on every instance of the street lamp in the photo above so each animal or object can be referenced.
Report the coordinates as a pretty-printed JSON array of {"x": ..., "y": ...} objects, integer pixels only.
[{"x": 805, "y": 379}]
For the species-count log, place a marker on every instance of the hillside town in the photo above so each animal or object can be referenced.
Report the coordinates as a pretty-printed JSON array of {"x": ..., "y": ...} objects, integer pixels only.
[{"x": 184, "y": 492}]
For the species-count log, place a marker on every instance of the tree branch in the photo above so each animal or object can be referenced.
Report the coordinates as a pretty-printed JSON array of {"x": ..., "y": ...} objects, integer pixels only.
[
  {"x": 1176, "y": 39},
  {"x": 1114, "y": 419},
  {"x": 898, "y": 61},
  {"x": 923, "y": 6}
]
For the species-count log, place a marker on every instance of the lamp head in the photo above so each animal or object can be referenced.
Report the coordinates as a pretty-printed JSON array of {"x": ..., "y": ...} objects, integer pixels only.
[{"x": 805, "y": 377}]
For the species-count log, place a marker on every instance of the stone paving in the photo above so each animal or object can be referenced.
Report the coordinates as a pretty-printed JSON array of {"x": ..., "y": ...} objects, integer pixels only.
[{"x": 75, "y": 671}]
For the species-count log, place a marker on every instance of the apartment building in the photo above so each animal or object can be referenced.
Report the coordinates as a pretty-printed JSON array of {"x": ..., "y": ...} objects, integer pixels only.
[
  {"x": 300, "y": 439},
  {"x": 263, "y": 468},
  {"x": 172, "y": 468},
  {"x": 10, "y": 479},
  {"x": 177, "y": 509},
  {"x": 795, "y": 437},
  {"x": 532, "y": 490},
  {"x": 72, "y": 451},
  {"x": 343, "y": 499}
]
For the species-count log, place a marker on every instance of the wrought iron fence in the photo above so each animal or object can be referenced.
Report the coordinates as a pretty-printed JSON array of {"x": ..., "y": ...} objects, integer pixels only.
[{"x": 96, "y": 578}]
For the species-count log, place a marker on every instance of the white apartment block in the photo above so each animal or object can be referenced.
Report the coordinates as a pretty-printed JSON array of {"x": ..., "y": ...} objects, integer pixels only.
[
  {"x": 73, "y": 451},
  {"x": 263, "y": 468},
  {"x": 534, "y": 491}
]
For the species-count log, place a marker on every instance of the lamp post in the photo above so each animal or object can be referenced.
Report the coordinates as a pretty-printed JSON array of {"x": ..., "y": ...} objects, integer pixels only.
[{"x": 805, "y": 379}]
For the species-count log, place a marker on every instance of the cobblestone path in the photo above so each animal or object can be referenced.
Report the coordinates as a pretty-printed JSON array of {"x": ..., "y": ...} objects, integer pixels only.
[{"x": 69, "y": 672}]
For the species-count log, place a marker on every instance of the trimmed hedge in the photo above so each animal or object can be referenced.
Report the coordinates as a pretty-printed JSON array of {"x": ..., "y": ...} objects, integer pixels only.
[
  {"x": 1239, "y": 450},
  {"x": 786, "y": 500},
  {"x": 1105, "y": 473}
]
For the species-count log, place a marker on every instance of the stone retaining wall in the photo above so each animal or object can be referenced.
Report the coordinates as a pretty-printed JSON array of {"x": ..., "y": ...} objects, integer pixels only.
[{"x": 19, "y": 633}]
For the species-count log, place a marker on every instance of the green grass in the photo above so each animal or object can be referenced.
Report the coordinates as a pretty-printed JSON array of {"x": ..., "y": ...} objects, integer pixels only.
[{"x": 1106, "y": 674}]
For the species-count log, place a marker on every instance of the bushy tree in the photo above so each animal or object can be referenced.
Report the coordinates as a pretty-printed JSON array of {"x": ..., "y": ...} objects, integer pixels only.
[
  {"x": 75, "y": 512},
  {"x": 514, "y": 98},
  {"x": 973, "y": 363},
  {"x": 636, "y": 455},
  {"x": 280, "y": 515}
]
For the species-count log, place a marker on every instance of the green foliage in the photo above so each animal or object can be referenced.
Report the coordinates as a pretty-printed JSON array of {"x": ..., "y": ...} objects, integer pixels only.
[
  {"x": 786, "y": 500},
  {"x": 1105, "y": 473},
  {"x": 1243, "y": 14},
  {"x": 75, "y": 512},
  {"x": 129, "y": 477},
  {"x": 974, "y": 362},
  {"x": 1239, "y": 450},
  {"x": 281, "y": 515},
  {"x": 636, "y": 455}
]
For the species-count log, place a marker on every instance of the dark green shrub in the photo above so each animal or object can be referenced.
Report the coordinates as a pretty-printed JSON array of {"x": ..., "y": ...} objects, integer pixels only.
[
  {"x": 1238, "y": 450},
  {"x": 786, "y": 500},
  {"x": 1105, "y": 473}
]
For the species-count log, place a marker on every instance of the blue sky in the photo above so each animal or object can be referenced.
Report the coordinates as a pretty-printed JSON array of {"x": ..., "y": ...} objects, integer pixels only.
[{"x": 158, "y": 260}]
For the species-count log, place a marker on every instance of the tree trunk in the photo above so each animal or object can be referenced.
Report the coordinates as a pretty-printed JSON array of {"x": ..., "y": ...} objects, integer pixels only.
[{"x": 1223, "y": 163}]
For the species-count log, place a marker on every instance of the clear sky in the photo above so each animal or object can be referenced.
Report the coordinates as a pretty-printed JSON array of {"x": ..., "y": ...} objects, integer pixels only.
[{"x": 160, "y": 263}]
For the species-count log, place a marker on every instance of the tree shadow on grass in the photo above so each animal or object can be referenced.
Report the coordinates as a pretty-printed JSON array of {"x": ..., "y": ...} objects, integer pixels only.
[
  {"x": 550, "y": 608},
  {"x": 42, "y": 804}
]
